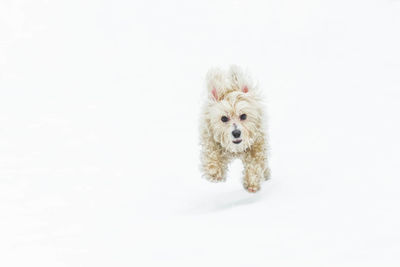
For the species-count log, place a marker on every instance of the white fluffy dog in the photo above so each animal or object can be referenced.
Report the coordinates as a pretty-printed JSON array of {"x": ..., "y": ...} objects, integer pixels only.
[{"x": 232, "y": 127}]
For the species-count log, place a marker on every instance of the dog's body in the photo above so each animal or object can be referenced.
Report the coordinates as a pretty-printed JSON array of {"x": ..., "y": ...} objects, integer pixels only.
[{"x": 232, "y": 126}]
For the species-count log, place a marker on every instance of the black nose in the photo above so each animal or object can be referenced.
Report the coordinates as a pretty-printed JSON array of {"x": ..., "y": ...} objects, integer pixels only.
[{"x": 236, "y": 133}]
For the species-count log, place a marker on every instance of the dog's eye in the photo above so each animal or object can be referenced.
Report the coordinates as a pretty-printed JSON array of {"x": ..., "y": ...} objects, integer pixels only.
[
  {"x": 243, "y": 117},
  {"x": 224, "y": 118}
]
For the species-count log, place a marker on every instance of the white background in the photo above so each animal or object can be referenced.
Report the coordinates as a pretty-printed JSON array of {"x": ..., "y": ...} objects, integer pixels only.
[{"x": 99, "y": 154}]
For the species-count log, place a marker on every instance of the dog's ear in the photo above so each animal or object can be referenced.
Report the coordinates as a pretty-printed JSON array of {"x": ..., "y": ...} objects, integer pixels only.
[
  {"x": 239, "y": 80},
  {"x": 214, "y": 93},
  {"x": 215, "y": 82}
]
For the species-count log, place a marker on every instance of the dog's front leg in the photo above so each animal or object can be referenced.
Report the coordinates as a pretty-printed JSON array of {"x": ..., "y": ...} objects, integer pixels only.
[
  {"x": 214, "y": 162},
  {"x": 255, "y": 169}
]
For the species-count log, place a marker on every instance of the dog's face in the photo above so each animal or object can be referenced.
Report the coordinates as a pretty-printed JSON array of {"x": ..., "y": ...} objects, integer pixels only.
[
  {"x": 235, "y": 122},
  {"x": 234, "y": 115}
]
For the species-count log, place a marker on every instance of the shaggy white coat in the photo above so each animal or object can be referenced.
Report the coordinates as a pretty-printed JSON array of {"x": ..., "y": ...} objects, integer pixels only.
[{"x": 232, "y": 94}]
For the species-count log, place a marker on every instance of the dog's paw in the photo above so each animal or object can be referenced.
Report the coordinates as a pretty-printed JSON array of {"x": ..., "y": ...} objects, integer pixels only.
[
  {"x": 252, "y": 188},
  {"x": 215, "y": 179}
]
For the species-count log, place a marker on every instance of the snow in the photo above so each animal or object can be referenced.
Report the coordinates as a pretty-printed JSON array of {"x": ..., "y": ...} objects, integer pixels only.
[{"x": 99, "y": 154}]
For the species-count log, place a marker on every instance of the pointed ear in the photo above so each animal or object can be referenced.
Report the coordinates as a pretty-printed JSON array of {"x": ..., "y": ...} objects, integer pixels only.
[
  {"x": 239, "y": 80},
  {"x": 215, "y": 82},
  {"x": 214, "y": 93}
]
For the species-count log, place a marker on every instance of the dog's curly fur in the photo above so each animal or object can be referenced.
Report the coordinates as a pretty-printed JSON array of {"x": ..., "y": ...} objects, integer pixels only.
[{"x": 232, "y": 94}]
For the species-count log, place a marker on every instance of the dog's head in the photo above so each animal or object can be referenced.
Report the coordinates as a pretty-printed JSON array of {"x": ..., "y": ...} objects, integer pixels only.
[{"x": 233, "y": 113}]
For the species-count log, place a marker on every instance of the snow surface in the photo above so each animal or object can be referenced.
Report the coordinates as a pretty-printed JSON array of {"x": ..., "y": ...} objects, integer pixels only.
[{"x": 99, "y": 155}]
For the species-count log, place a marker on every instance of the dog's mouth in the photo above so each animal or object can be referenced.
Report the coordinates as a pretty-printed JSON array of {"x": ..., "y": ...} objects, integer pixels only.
[{"x": 237, "y": 141}]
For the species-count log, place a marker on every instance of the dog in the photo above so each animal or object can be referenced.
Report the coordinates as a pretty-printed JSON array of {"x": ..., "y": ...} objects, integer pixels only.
[{"x": 232, "y": 126}]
